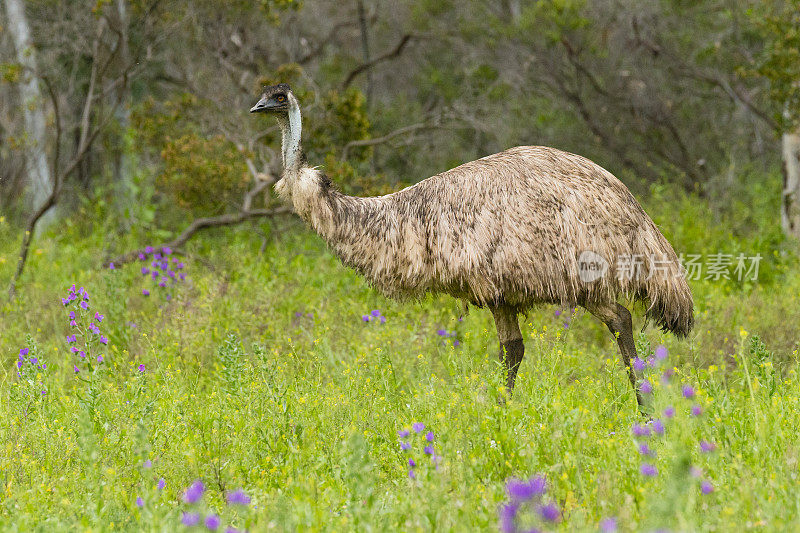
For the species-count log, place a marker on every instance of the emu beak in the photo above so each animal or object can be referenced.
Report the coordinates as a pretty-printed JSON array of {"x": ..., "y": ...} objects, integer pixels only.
[{"x": 260, "y": 107}]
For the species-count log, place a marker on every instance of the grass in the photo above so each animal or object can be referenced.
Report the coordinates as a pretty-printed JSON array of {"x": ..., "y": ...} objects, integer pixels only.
[{"x": 303, "y": 412}]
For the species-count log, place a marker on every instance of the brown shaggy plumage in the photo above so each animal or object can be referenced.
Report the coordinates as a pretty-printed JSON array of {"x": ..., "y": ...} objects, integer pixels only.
[{"x": 505, "y": 231}]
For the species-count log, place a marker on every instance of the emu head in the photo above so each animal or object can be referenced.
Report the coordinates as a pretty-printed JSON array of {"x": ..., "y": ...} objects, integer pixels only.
[
  {"x": 278, "y": 100},
  {"x": 275, "y": 99}
]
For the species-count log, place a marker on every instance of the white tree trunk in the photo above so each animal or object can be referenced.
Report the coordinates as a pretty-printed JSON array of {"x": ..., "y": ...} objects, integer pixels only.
[
  {"x": 40, "y": 181},
  {"x": 790, "y": 206}
]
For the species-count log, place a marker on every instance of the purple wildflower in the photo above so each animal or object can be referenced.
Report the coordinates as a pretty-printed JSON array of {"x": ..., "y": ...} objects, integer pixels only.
[
  {"x": 212, "y": 522},
  {"x": 71, "y": 338},
  {"x": 99, "y": 358},
  {"x": 161, "y": 484},
  {"x": 194, "y": 492},
  {"x": 428, "y": 450},
  {"x": 72, "y": 315},
  {"x": 365, "y": 318},
  {"x": 661, "y": 352},
  {"x": 145, "y": 292},
  {"x": 418, "y": 426},
  {"x": 669, "y": 412},
  {"x": 383, "y": 319},
  {"x": 640, "y": 431},
  {"x": 707, "y": 447},
  {"x": 405, "y": 446},
  {"x": 84, "y": 305},
  {"x": 519, "y": 490},
  {"x": 646, "y": 387},
  {"x": 141, "y": 256},
  {"x": 648, "y": 470},
  {"x": 190, "y": 519},
  {"x": 111, "y": 266},
  {"x": 697, "y": 410},
  {"x": 549, "y": 512},
  {"x": 148, "y": 463},
  {"x": 609, "y": 525},
  {"x": 411, "y": 474},
  {"x": 103, "y": 340},
  {"x": 75, "y": 368},
  {"x": 429, "y": 436},
  {"x": 508, "y": 515},
  {"x": 23, "y": 351},
  {"x": 644, "y": 449},
  {"x": 139, "y": 500},
  {"x": 167, "y": 250},
  {"x": 148, "y": 250},
  {"x": 688, "y": 392},
  {"x": 238, "y": 497},
  {"x": 441, "y": 332},
  {"x": 411, "y": 462},
  {"x": 706, "y": 487},
  {"x": 375, "y": 313},
  {"x": 658, "y": 426},
  {"x": 638, "y": 364},
  {"x": 403, "y": 433},
  {"x": 141, "y": 367}
]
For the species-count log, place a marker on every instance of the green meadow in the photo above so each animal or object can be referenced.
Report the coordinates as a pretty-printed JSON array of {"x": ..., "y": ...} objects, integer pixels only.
[{"x": 259, "y": 372}]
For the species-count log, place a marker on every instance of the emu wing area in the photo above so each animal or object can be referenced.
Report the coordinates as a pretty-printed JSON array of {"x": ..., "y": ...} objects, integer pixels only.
[{"x": 509, "y": 228}]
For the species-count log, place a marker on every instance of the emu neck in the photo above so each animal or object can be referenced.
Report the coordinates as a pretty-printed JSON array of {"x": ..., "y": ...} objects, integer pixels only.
[
  {"x": 291, "y": 130},
  {"x": 355, "y": 228}
]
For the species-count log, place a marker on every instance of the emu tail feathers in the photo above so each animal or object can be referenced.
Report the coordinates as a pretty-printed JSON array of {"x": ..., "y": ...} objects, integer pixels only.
[{"x": 672, "y": 307}]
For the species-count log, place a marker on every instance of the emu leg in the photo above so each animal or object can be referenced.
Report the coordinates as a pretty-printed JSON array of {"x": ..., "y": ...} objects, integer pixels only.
[
  {"x": 511, "y": 347},
  {"x": 618, "y": 319}
]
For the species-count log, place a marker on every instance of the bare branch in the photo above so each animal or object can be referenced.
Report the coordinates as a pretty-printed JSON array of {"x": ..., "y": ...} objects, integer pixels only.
[
  {"x": 391, "y": 135},
  {"x": 87, "y": 137},
  {"x": 203, "y": 223},
  {"x": 395, "y": 52}
]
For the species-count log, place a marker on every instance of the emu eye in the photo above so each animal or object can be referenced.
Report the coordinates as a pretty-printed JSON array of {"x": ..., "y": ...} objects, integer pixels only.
[{"x": 281, "y": 98}]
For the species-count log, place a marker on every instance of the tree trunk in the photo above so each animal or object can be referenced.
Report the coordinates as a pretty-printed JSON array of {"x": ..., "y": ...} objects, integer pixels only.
[
  {"x": 39, "y": 179},
  {"x": 790, "y": 206},
  {"x": 122, "y": 163}
]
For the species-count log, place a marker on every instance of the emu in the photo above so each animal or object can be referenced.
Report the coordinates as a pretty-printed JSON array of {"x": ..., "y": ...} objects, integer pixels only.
[{"x": 528, "y": 226}]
